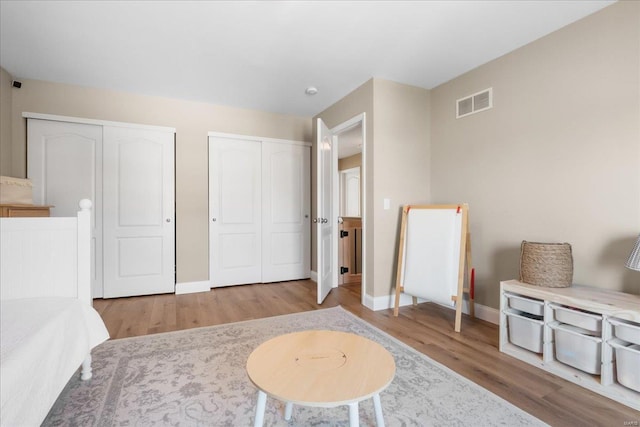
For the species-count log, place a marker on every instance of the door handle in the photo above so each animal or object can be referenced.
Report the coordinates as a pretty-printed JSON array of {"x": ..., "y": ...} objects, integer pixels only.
[
  {"x": 213, "y": 219},
  {"x": 315, "y": 220},
  {"x": 325, "y": 220},
  {"x": 168, "y": 219}
]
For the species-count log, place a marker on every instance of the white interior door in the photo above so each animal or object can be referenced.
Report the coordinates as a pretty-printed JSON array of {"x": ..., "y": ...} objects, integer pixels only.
[
  {"x": 235, "y": 209},
  {"x": 285, "y": 212},
  {"x": 326, "y": 230},
  {"x": 138, "y": 197},
  {"x": 64, "y": 162}
]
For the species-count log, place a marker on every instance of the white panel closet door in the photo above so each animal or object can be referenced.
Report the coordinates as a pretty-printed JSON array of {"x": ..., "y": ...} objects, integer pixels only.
[
  {"x": 285, "y": 212},
  {"x": 139, "y": 231},
  {"x": 64, "y": 162},
  {"x": 235, "y": 209}
]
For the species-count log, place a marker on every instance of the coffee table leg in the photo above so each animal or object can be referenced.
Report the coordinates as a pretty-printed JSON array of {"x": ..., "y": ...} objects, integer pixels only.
[
  {"x": 260, "y": 407},
  {"x": 288, "y": 410},
  {"x": 354, "y": 416},
  {"x": 378, "y": 408}
]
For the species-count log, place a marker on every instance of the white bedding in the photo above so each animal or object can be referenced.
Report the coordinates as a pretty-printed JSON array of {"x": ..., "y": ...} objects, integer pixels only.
[{"x": 43, "y": 341}]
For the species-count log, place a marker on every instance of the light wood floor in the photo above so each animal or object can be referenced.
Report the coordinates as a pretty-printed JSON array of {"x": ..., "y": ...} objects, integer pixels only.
[{"x": 428, "y": 328}]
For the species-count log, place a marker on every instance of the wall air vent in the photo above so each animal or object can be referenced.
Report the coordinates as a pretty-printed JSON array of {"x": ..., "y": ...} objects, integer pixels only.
[{"x": 475, "y": 103}]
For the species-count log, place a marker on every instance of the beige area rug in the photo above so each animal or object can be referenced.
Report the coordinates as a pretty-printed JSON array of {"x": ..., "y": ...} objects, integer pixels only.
[{"x": 197, "y": 377}]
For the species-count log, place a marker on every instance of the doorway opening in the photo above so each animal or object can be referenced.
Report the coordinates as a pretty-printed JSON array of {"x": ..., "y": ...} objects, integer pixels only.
[{"x": 349, "y": 203}]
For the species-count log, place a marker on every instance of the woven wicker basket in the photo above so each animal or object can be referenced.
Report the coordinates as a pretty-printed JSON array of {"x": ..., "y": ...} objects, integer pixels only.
[{"x": 546, "y": 264}]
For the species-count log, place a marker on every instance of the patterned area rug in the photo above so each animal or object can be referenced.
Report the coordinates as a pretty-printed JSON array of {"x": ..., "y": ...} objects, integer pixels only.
[{"x": 197, "y": 377}]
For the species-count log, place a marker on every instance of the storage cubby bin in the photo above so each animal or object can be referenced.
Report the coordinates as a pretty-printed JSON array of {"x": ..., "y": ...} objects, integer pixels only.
[
  {"x": 627, "y": 364},
  {"x": 526, "y": 305},
  {"x": 525, "y": 330},
  {"x": 575, "y": 347},
  {"x": 586, "y": 335},
  {"x": 626, "y": 331},
  {"x": 579, "y": 318}
]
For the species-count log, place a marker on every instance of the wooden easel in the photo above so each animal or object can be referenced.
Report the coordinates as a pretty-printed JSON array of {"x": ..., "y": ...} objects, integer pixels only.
[{"x": 463, "y": 261}]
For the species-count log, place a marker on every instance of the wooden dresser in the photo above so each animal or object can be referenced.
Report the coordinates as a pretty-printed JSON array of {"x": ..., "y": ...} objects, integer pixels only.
[{"x": 15, "y": 211}]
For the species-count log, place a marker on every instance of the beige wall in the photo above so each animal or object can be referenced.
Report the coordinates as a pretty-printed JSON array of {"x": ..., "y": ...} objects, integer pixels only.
[
  {"x": 558, "y": 157},
  {"x": 192, "y": 121},
  {"x": 396, "y": 167},
  {"x": 401, "y": 159},
  {"x": 350, "y": 162},
  {"x": 5, "y": 122}
]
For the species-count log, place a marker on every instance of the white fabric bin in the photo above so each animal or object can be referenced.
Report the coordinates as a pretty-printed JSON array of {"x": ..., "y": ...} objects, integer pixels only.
[
  {"x": 575, "y": 347},
  {"x": 525, "y": 331},
  {"x": 582, "y": 319},
  {"x": 15, "y": 191},
  {"x": 526, "y": 305}
]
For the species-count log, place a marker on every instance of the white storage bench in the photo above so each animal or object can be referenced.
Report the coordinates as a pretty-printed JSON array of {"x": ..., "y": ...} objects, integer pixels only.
[{"x": 586, "y": 335}]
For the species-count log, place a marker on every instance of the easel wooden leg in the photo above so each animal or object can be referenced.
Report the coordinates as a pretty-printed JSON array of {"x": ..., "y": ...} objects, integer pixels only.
[
  {"x": 458, "y": 323},
  {"x": 471, "y": 278},
  {"x": 403, "y": 229},
  {"x": 396, "y": 305}
]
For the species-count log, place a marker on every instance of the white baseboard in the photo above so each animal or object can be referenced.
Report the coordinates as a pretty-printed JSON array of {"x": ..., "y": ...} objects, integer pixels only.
[
  {"x": 488, "y": 314},
  {"x": 192, "y": 287},
  {"x": 483, "y": 312}
]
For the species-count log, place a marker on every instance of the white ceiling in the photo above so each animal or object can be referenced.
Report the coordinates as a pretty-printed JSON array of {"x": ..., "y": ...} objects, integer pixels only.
[{"x": 262, "y": 55}]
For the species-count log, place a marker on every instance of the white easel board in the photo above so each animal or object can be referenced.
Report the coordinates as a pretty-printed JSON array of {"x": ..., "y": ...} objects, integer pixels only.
[{"x": 434, "y": 250}]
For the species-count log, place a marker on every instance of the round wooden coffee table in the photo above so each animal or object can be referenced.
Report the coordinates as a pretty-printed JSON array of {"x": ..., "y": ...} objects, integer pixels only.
[{"x": 323, "y": 369}]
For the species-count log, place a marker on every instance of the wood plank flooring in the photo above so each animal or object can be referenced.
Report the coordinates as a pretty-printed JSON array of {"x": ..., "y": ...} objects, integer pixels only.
[{"x": 428, "y": 328}]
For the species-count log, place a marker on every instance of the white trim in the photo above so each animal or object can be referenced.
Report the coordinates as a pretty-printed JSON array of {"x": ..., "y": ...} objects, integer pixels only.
[
  {"x": 483, "y": 312},
  {"x": 55, "y": 118},
  {"x": 259, "y": 139},
  {"x": 489, "y": 314},
  {"x": 349, "y": 124},
  {"x": 313, "y": 276},
  {"x": 192, "y": 287},
  {"x": 360, "y": 119}
]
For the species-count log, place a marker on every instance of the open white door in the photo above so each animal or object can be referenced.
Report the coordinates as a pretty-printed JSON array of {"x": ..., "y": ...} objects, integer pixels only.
[{"x": 325, "y": 222}]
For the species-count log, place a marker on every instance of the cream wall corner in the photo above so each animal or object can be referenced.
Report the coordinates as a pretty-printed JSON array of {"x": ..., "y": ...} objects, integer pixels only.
[{"x": 558, "y": 157}]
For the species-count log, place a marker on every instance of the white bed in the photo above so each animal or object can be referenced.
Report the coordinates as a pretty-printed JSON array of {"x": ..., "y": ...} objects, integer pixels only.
[{"x": 47, "y": 324}]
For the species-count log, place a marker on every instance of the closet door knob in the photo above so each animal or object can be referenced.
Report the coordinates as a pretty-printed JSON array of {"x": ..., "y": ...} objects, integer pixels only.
[{"x": 168, "y": 219}]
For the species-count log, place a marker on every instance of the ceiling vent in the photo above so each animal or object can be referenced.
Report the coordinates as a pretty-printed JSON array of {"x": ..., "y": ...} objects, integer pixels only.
[{"x": 475, "y": 103}]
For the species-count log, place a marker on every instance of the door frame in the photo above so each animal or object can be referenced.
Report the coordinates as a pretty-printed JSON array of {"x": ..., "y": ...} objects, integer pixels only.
[{"x": 360, "y": 119}]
